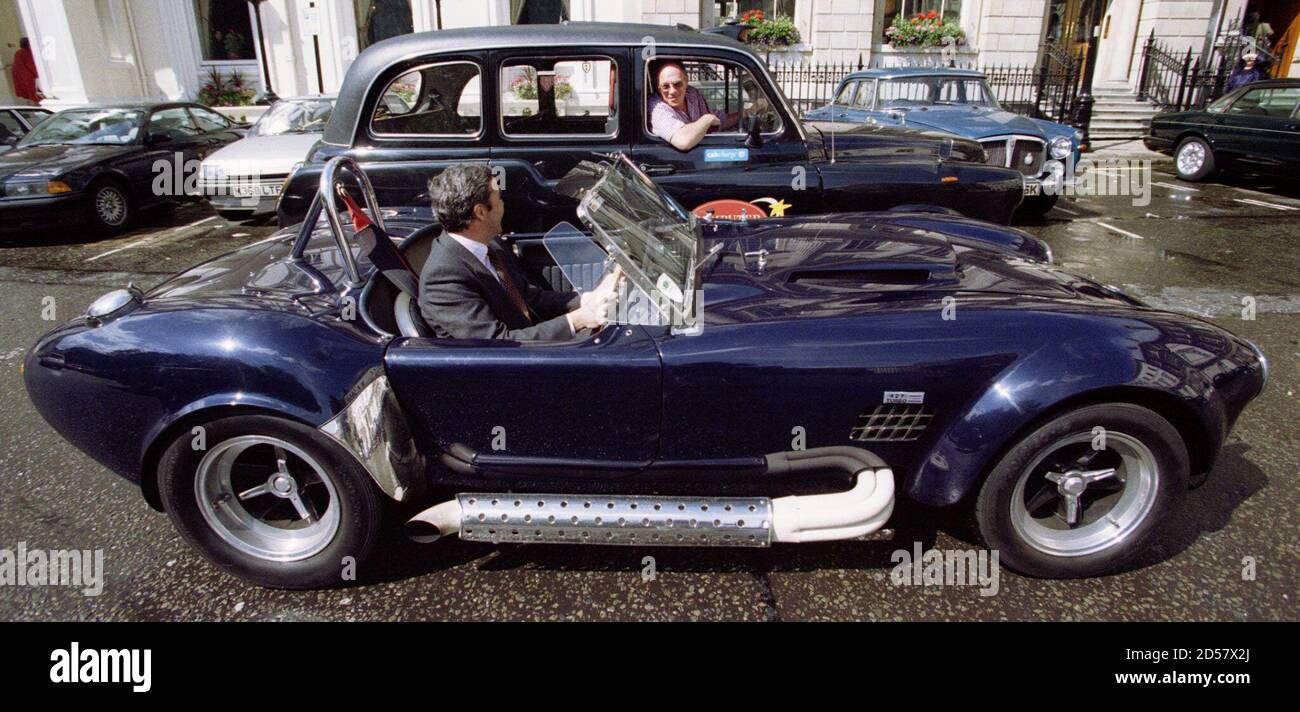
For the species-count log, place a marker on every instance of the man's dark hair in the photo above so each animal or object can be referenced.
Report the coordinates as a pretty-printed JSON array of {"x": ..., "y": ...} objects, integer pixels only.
[
  {"x": 23, "y": 43},
  {"x": 456, "y": 191}
]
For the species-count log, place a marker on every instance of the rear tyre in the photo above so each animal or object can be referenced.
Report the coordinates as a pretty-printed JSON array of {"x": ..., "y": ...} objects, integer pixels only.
[
  {"x": 108, "y": 207},
  {"x": 271, "y": 501},
  {"x": 1194, "y": 159},
  {"x": 1083, "y": 494}
]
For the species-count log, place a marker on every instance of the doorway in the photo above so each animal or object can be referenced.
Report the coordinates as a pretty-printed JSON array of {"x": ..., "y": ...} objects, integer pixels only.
[{"x": 1117, "y": 41}]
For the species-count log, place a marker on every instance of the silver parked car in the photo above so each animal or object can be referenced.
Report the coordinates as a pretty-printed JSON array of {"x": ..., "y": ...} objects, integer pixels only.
[{"x": 243, "y": 180}]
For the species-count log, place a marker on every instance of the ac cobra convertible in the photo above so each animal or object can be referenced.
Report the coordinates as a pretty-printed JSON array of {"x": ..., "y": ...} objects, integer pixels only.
[{"x": 761, "y": 382}]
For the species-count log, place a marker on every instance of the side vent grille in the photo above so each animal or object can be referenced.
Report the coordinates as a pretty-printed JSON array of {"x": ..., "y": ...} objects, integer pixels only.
[{"x": 892, "y": 423}]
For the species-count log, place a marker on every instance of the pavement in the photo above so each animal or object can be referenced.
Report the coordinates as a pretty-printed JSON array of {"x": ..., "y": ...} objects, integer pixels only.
[{"x": 1230, "y": 552}]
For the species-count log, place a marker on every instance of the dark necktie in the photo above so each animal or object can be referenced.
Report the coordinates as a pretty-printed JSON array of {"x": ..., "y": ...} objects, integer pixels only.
[{"x": 508, "y": 284}]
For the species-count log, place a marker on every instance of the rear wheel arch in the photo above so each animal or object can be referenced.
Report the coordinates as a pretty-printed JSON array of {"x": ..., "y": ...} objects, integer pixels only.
[{"x": 153, "y": 453}]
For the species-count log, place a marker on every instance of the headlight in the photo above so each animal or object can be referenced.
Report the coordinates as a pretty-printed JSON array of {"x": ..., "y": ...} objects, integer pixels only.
[
  {"x": 27, "y": 188},
  {"x": 1061, "y": 147}
]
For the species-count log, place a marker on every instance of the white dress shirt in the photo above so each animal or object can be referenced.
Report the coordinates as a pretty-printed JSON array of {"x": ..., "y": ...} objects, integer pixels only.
[{"x": 479, "y": 250}]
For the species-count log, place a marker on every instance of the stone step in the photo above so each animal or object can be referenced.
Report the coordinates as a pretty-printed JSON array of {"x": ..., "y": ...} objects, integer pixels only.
[{"x": 1142, "y": 108}]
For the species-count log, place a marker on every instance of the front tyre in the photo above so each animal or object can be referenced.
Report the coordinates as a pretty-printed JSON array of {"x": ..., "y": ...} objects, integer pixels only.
[
  {"x": 1081, "y": 495},
  {"x": 271, "y": 501},
  {"x": 108, "y": 207}
]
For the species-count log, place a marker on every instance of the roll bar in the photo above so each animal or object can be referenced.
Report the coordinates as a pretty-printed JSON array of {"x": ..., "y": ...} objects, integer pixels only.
[{"x": 330, "y": 183}]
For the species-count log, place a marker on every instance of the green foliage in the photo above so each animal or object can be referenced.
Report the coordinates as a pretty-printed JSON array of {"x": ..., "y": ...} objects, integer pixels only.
[
  {"x": 219, "y": 90},
  {"x": 924, "y": 30},
  {"x": 779, "y": 31}
]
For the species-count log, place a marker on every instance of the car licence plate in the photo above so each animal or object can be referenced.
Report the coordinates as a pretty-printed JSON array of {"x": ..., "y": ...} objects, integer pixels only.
[
  {"x": 244, "y": 191},
  {"x": 1033, "y": 188}
]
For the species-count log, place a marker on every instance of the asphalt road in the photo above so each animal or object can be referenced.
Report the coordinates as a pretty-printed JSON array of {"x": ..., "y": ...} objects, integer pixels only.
[{"x": 1198, "y": 248}]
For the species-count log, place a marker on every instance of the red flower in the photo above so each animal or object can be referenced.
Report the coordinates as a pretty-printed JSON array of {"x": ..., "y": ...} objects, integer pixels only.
[
  {"x": 934, "y": 14},
  {"x": 920, "y": 15}
]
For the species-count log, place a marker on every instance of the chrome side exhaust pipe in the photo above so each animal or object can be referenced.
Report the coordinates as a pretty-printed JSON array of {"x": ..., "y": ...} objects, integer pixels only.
[{"x": 676, "y": 521}]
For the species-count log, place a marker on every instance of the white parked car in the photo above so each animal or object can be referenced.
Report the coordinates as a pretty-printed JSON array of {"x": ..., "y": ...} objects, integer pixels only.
[{"x": 243, "y": 180}]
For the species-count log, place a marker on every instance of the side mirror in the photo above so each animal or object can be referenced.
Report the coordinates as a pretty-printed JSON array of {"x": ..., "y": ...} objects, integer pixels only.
[
  {"x": 754, "y": 132},
  {"x": 157, "y": 138}
]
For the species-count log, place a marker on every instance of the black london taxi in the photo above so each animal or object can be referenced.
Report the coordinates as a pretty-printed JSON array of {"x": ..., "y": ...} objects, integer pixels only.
[{"x": 534, "y": 100}]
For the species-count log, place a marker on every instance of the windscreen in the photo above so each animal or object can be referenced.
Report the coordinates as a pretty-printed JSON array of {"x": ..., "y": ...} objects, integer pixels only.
[{"x": 641, "y": 228}]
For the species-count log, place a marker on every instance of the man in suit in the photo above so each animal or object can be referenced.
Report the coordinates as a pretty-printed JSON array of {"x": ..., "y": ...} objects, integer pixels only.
[{"x": 471, "y": 286}]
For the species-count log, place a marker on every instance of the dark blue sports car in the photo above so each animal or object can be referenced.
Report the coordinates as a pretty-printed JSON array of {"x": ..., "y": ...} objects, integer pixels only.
[
  {"x": 769, "y": 381},
  {"x": 959, "y": 101}
]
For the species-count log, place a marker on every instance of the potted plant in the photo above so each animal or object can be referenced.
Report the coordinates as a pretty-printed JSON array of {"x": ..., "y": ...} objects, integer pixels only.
[
  {"x": 925, "y": 30},
  {"x": 775, "y": 33},
  {"x": 219, "y": 90}
]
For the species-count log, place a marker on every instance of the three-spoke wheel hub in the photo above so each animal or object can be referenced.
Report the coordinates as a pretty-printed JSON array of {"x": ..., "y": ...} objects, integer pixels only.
[{"x": 1084, "y": 494}]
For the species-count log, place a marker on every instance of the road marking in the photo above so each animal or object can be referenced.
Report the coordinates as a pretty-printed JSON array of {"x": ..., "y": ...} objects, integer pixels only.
[
  {"x": 1262, "y": 204},
  {"x": 156, "y": 236},
  {"x": 1122, "y": 232},
  {"x": 1171, "y": 186},
  {"x": 1067, "y": 211}
]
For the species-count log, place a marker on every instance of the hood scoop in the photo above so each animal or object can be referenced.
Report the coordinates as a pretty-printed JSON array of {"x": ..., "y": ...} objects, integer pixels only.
[
  {"x": 820, "y": 255},
  {"x": 875, "y": 275}
]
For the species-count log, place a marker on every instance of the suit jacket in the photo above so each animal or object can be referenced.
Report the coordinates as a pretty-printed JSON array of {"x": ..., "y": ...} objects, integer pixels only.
[{"x": 460, "y": 298}]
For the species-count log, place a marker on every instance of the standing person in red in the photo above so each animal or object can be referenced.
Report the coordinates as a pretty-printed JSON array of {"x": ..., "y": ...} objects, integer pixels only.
[{"x": 25, "y": 73}]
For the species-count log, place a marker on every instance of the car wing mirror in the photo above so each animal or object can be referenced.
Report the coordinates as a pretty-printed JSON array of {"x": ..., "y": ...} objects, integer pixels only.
[
  {"x": 753, "y": 130},
  {"x": 157, "y": 139}
]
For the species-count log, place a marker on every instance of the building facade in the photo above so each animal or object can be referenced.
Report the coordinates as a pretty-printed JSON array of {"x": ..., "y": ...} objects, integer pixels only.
[{"x": 91, "y": 51}]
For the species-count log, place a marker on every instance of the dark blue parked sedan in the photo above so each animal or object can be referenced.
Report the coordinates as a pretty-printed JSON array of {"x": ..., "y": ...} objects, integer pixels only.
[{"x": 959, "y": 101}]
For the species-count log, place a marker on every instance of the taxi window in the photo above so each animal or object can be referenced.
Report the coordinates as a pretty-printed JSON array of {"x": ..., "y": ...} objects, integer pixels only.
[
  {"x": 441, "y": 99},
  {"x": 726, "y": 88},
  {"x": 564, "y": 97}
]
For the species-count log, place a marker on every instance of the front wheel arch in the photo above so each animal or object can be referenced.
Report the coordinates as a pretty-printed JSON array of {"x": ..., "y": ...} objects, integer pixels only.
[{"x": 1201, "y": 448}]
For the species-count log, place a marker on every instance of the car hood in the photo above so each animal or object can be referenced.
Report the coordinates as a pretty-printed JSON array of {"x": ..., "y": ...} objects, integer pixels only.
[
  {"x": 55, "y": 159},
  {"x": 972, "y": 122},
  {"x": 263, "y": 155},
  {"x": 785, "y": 269},
  {"x": 878, "y": 141}
]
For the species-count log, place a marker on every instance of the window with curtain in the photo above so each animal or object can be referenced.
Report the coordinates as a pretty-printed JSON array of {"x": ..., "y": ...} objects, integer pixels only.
[
  {"x": 225, "y": 30},
  {"x": 891, "y": 9},
  {"x": 538, "y": 12}
]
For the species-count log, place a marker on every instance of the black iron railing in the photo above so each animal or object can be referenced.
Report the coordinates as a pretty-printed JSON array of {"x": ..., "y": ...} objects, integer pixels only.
[
  {"x": 1180, "y": 81},
  {"x": 809, "y": 85},
  {"x": 1046, "y": 89}
]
